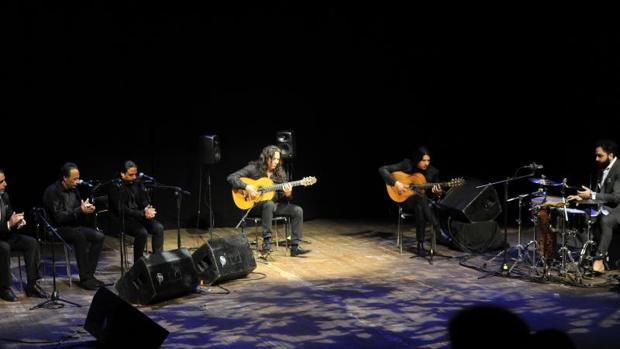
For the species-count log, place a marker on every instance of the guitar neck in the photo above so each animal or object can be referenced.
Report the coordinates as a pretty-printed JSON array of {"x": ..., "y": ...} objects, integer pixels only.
[
  {"x": 428, "y": 185},
  {"x": 277, "y": 187}
]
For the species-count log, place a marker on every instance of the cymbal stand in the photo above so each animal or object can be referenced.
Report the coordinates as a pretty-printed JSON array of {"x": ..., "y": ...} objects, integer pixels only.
[{"x": 565, "y": 254}]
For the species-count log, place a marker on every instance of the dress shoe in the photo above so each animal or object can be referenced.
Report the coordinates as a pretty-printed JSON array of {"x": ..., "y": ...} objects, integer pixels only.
[
  {"x": 296, "y": 251},
  {"x": 34, "y": 290},
  {"x": 89, "y": 284},
  {"x": 99, "y": 282},
  {"x": 421, "y": 250},
  {"x": 8, "y": 295}
]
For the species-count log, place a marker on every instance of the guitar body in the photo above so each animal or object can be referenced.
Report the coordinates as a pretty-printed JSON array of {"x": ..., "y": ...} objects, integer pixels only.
[
  {"x": 416, "y": 184},
  {"x": 241, "y": 198},
  {"x": 407, "y": 180}
]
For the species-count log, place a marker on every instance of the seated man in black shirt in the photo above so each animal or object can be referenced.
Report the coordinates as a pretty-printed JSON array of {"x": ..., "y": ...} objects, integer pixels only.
[
  {"x": 67, "y": 211},
  {"x": 130, "y": 202},
  {"x": 269, "y": 165},
  {"x": 10, "y": 240},
  {"x": 418, "y": 203}
]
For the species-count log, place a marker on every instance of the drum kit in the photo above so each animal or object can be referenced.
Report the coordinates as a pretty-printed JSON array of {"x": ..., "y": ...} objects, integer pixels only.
[{"x": 553, "y": 219}]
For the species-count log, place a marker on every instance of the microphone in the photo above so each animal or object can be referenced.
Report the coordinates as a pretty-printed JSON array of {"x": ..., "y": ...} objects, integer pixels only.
[
  {"x": 534, "y": 166},
  {"x": 146, "y": 177},
  {"x": 85, "y": 183}
]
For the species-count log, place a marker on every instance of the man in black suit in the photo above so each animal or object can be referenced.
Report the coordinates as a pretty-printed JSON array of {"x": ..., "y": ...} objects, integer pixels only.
[
  {"x": 130, "y": 202},
  {"x": 608, "y": 193},
  {"x": 417, "y": 204},
  {"x": 68, "y": 212},
  {"x": 10, "y": 240}
]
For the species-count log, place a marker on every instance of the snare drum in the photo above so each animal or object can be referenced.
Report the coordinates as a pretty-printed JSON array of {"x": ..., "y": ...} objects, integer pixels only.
[{"x": 552, "y": 201}]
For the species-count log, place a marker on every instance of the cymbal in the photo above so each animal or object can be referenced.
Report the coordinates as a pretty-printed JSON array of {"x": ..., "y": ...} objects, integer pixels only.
[{"x": 545, "y": 182}]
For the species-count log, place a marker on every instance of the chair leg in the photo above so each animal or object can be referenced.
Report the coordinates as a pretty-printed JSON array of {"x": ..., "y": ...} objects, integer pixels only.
[
  {"x": 19, "y": 266},
  {"x": 286, "y": 232},
  {"x": 399, "y": 238},
  {"x": 256, "y": 233},
  {"x": 275, "y": 231},
  {"x": 68, "y": 262}
]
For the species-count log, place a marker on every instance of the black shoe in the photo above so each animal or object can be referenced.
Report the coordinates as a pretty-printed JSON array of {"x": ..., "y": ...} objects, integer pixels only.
[
  {"x": 421, "y": 250},
  {"x": 34, "y": 290},
  {"x": 99, "y": 282},
  {"x": 89, "y": 284},
  {"x": 8, "y": 295},
  {"x": 296, "y": 251}
]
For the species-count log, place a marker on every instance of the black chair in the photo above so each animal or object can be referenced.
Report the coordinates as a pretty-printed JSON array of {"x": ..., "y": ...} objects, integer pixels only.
[
  {"x": 18, "y": 254},
  {"x": 109, "y": 224},
  {"x": 275, "y": 222},
  {"x": 47, "y": 238}
]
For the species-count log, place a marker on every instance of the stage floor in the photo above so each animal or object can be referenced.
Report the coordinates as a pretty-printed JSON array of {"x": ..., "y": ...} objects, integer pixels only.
[{"x": 353, "y": 290}]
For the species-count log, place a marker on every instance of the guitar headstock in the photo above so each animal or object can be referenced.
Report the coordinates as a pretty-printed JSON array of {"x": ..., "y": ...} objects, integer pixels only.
[
  {"x": 306, "y": 181},
  {"x": 455, "y": 182}
]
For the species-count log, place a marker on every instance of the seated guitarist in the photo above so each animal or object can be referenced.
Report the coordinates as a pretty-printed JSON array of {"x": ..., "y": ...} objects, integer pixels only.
[
  {"x": 269, "y": 165},
  {"x": 417, "y": 204}
]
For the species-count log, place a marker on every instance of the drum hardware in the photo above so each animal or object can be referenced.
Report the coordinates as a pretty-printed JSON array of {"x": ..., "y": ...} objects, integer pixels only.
[{"x": 543, "y": 181}]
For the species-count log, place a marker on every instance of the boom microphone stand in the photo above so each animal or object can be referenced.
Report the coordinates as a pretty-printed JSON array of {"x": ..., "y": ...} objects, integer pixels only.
[
  {"x": 177, "y": 193},
  {"x": 54, "y": 302},
  {"x": 504, "y": 269}
]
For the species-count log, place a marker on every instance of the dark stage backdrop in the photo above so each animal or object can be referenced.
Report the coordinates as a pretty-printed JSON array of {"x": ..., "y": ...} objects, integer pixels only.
[{"x": 360, "y": 87}]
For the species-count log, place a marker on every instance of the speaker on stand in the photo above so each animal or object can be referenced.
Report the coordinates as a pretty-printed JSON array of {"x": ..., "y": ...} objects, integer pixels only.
[
  {"x": 285, "y": 140},
  {"x": 210, "y": 152}
]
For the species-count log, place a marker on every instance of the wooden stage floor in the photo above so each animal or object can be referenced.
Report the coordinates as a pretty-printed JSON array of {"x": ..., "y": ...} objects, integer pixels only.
[{"x": 353, "y": 290}]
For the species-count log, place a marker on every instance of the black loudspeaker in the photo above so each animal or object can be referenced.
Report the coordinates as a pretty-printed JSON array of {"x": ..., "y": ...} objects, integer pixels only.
[
  {"x": 475, "y": 237},
  {"x": 286, "y": 142},
  {"x": 210, "y": 150},
  {"x": 162, "y": 276},
  {"x": 224, "y": 259},
  {"x": 467, "y": 203},
  {"x": 614, "y": 252},
  {"x": 116, "y": 323}
]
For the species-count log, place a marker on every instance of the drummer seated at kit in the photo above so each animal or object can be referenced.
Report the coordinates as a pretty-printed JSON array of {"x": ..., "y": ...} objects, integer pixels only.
[{"x": 607, "y": 195}]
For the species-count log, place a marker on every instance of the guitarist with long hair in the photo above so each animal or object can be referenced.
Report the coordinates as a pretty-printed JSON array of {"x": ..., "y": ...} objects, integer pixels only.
[
  {"x": 269, "y": 165},
  {"x": 419, "y": 166}
]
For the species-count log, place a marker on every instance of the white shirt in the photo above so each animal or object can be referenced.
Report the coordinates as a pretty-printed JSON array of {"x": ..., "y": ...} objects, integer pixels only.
[{"x": 605, "y": 173}]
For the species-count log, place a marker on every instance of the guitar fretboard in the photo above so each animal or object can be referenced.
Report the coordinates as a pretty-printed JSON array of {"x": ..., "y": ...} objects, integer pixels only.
[
  {"x": 428, "y": 185},
  {"x": 277, "y": 187}
]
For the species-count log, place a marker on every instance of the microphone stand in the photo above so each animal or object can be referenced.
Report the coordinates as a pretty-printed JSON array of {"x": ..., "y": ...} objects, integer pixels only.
[
  {"x": 120, "y": 207},
  {"x": 209, "y": 203},
  {"x": 242, "y": 224},
  {"x": 177, "y": 192},
  {"x": 504, "y": 269},
  {"x": 54, "y": 302},
  {"x": 247, "y": 212}
]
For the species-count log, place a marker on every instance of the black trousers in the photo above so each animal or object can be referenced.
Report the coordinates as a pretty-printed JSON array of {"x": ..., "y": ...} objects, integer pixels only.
[
  {"x": 32, "y": 257},
  {"x": 140, "y": 230},
  {"x": 87, "y": 244},
  {"x": 419, "y": 206},
  {"x": 605, "y": 231},
  {"x": 268, "y": 209}
]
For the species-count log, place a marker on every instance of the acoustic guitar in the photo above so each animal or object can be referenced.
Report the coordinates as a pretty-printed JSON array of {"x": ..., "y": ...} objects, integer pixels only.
[
  {"x": 415, "y": 183},
  {"x": 266, "y": 189}
]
